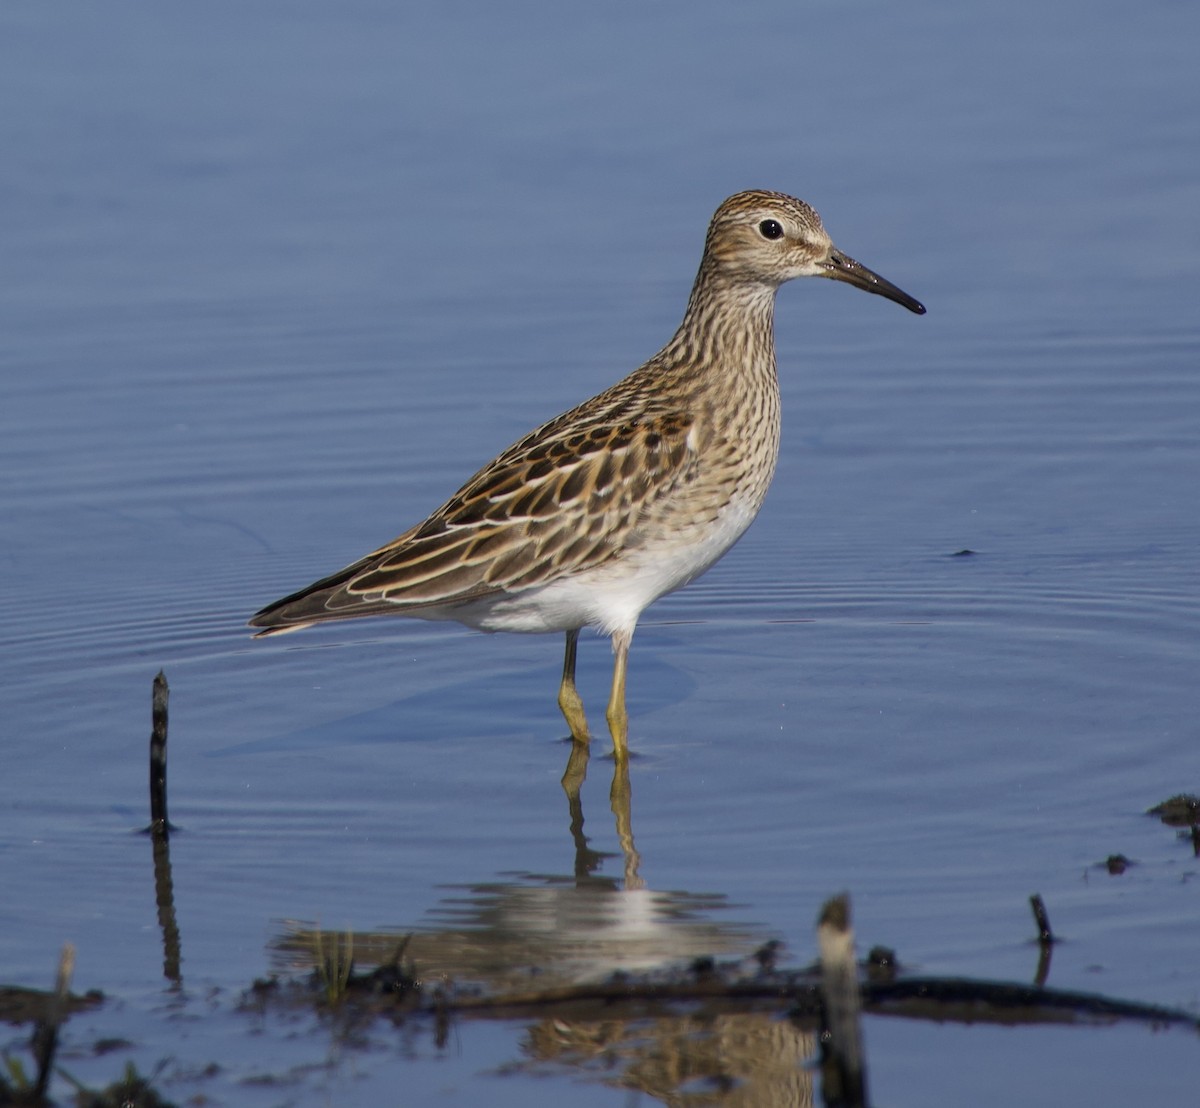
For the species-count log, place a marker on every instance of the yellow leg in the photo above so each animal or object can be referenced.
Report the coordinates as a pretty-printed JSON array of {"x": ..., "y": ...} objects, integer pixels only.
[
  {"x": 617, "y": 715},
  {"x": 569, "y": 699}
]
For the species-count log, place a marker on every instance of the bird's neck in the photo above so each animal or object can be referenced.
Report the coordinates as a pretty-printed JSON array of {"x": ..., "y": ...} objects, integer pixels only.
[{"x": 728, "y": 327}]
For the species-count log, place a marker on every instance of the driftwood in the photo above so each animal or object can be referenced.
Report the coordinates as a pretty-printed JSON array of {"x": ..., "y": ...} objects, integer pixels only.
[{"x": 728, "y": 987}]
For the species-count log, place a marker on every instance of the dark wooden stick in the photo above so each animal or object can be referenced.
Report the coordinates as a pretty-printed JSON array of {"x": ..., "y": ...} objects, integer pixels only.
[
  {"x": 1045, "y": 934},
  {"x": 159, "y": 823},
  {"x": 843, "y": 1067},
  {"x": 791, "y": 989},
  {"x": 1046, "y": 940},
  {"x": 930, "y": 998}
]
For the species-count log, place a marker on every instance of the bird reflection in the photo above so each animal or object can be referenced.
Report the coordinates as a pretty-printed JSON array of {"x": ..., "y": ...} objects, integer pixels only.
[
  {"x": 561, "y": 929},
  {"x": 525, "y": 933},
  {"x": 730, "y": 1060}
]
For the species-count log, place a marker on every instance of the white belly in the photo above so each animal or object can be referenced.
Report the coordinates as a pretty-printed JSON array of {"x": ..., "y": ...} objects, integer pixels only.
[{"x": 613, "y": 596}]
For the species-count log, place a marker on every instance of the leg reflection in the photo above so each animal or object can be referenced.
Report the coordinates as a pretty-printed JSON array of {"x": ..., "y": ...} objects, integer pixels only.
[
  {"x": 586, "y": 861},
  {"x": 620, "y": 797}
]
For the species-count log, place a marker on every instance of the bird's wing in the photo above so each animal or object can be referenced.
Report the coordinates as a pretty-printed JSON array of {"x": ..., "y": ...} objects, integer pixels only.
[{"x": 566, "y": 498}]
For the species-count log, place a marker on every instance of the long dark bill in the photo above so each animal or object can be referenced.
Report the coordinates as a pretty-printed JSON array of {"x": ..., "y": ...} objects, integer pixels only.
[{"x": 842, "y": 267}]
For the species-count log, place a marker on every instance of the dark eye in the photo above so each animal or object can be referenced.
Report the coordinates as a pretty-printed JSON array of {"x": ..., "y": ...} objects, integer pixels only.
[{"x": 770, "y": 229}]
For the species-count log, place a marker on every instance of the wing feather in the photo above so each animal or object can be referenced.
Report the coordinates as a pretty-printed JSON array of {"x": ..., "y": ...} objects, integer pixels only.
[{"x": 564, "y": 499}]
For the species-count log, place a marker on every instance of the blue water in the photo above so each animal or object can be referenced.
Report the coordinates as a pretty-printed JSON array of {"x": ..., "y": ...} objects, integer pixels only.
[{"x": 278, "y": 277}]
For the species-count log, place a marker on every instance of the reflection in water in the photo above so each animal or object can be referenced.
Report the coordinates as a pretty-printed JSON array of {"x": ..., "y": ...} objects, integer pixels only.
[
  {"x": 549, "y": 930},
  {"x": 616, "y": 982},
  {"x": 620, "y": 798},
  {"x": 621, "y": 802},
  {"x": 539, "y": 931},
  {"x": 164, "y": 898},
  {"x": 558, "y": 929},
  {"x": 742, "y": 1060},
  {"x": 586, "y": 861}
]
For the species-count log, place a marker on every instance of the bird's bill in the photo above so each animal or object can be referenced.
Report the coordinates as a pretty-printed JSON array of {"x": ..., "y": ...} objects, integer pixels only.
[{"x": 841, "y": 267}]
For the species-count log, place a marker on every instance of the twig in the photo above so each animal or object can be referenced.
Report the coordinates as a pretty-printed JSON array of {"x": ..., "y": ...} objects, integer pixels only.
[
  {"x": 45, "y": 1033},
  {"x": 1046, "y": 940},
  {"x": 843, "y": 1067},
  {"x": 1045, "y": 934},
  {"x": 159, "y": 824}
]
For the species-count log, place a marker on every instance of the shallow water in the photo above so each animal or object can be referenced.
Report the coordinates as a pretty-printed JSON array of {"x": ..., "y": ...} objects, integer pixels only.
[{"x": 278, "y": 279}]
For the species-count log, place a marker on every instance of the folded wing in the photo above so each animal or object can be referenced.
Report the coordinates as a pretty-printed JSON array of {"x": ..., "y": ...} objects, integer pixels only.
[{"x": 563, "y": 500}]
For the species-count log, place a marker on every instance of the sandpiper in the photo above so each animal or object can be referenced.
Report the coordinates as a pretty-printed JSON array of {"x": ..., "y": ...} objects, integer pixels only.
[{"x": 593, "y": 516}]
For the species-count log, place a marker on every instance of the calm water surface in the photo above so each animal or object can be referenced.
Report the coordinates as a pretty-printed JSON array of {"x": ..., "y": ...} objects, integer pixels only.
[{"x": 278, "y": 279}]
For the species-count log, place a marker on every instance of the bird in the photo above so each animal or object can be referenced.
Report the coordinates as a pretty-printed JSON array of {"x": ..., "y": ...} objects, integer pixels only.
[{"x": 590, "y": 518}]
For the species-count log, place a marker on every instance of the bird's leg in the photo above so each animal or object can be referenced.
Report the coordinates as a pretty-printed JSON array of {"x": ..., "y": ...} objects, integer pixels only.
[
  {"x": 569, "y": 699},
  {"x": 617, "y": 715}
]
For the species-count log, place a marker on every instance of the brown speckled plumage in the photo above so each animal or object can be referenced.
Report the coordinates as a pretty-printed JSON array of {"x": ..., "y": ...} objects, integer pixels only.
[{"x": 592, "y": 516}]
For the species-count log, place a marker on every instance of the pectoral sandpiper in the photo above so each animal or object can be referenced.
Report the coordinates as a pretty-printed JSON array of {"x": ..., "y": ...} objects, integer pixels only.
[{"x": 629, "y": 496}]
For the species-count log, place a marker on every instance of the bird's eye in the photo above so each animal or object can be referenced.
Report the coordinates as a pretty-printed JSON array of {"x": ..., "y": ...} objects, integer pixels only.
[{"x": 770, "y": 229}]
